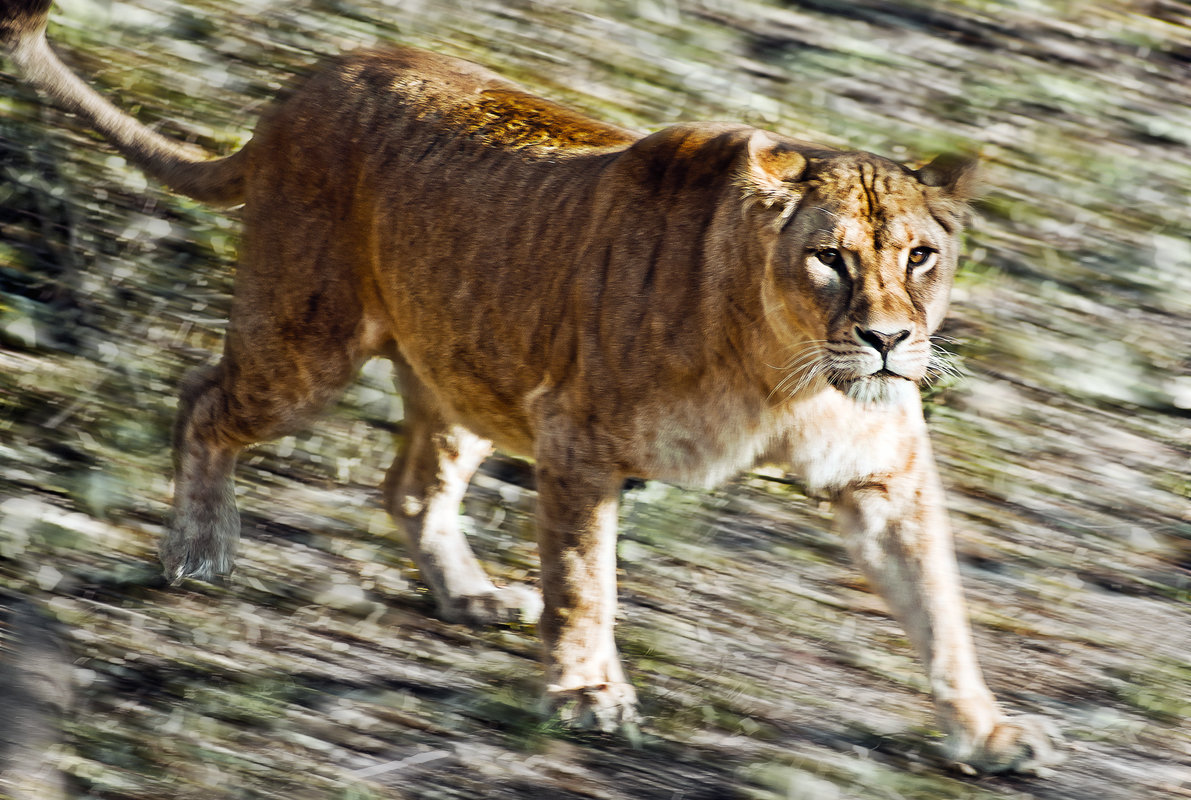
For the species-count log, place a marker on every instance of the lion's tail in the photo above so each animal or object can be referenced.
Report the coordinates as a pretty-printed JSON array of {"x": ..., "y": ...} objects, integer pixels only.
[{"x": 186, "y": 170}]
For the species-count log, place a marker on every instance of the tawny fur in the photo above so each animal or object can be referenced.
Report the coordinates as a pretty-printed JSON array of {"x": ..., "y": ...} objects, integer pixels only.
[{"x": 676, "y": 306}]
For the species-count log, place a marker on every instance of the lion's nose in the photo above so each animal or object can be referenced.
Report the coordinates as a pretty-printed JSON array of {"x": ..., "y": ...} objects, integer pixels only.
[{"x": 879, "y": 340}]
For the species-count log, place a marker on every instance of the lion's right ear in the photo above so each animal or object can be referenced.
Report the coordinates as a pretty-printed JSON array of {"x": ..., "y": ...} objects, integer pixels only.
[
  {"x": 956, "y": 174},
  {"x": 772, "y": 170}
]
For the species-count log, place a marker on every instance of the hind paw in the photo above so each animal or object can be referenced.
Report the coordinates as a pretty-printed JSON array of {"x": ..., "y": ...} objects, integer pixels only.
[
  {"x": 185, "y": 555},
  {"x": 497, "y": 606}
]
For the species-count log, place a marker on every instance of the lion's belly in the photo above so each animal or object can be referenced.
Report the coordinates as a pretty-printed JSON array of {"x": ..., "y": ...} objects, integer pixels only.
[{"x": 485, "y": 401}]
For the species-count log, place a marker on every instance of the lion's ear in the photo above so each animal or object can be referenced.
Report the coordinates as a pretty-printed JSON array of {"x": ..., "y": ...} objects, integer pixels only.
[
  {"x": 954, "y": 173},
  {"x": 772, "y": 169}
]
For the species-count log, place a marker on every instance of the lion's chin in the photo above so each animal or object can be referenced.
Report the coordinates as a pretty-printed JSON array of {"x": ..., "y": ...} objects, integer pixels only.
[{"x": 879, "y": 389}]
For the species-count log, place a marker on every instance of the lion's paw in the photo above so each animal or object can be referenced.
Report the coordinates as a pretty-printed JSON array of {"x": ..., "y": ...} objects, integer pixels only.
[
  {"x": 608, "y": 708},
  {"x": 497, "y": 606},
  {"x": 1016, "y": 744},
  {"x": 201, "y": 556}
]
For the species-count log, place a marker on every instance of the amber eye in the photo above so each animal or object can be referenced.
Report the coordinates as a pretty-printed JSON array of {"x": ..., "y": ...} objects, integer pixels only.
[
  {"x": 920, "y": 257},
  {"x": 830, "y": 257}
]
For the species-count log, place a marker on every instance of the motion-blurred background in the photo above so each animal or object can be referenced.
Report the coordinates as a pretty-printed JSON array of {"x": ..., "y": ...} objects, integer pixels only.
[{"x": 767, "y": 669}]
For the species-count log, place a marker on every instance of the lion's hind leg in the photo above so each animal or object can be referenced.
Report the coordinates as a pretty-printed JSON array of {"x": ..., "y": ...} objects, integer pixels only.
[
  {"x": 200, "y": 541},
  {"x": 222, "y": 409},
  {"x": 295, "y": 341},
  {"x": 422, "y": 492}
]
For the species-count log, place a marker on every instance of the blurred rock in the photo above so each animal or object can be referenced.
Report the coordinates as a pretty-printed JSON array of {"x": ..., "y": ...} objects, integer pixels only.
[{"x": 36, "y": 689}]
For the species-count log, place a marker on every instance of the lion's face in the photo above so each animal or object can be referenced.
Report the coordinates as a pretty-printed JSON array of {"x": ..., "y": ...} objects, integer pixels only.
[{"x": 863, "y": 267}]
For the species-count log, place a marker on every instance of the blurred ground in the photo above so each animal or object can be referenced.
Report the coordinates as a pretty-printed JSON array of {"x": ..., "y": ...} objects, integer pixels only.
[{"x": 766, "y": 668}]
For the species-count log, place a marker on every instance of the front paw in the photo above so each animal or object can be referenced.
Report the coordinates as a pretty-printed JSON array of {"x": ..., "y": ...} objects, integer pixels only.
[
  {"x": 607, "y": 708},
  {"x": 1016, "y": 744}
]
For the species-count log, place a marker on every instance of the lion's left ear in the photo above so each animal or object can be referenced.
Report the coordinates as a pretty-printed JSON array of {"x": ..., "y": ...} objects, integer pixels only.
[
  {"x": 954, "y": 173},
  {"x": 771, "y": 170}
]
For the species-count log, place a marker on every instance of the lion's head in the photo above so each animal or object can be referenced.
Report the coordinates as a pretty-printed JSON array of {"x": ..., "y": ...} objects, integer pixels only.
[{"x": 861, "y": 252}]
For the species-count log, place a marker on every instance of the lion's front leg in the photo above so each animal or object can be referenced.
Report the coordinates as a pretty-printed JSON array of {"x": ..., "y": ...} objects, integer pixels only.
[
  {"x": 577, "y": 504},
  {"x": 896, "y": 528}
]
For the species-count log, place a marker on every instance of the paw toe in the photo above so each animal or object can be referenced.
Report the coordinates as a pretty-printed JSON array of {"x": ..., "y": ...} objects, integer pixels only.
[
  {"x": 501, "y": 605},
  {"x": 209, "y": 570}
]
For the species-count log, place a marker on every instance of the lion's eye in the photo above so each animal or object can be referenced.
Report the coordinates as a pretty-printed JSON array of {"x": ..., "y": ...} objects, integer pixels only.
[
  {"x": 830, "y": 257},
  {"x": 921, "y": 258}
]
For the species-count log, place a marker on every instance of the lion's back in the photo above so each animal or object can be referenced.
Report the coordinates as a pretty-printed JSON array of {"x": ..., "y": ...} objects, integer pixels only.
[{"x": 383, "y": 97}]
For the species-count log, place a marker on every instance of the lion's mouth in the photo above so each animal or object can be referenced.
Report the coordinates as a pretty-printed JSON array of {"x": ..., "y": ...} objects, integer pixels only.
[{"x": 882, "y": 387}]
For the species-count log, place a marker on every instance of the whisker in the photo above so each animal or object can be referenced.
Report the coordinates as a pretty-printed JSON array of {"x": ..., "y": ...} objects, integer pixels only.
[
  {"x": 808, "y": 364},
  {"x": 799, "y": 352},
  {"x": 810, "y": 375},
  {"x": 804, "y": 358},
  {"x": 799, "y": 379},
  {"x": 943, "y": 364}
]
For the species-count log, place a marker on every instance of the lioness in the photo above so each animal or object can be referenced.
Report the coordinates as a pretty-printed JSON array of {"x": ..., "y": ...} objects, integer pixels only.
[{"x": 675, "y": 306}]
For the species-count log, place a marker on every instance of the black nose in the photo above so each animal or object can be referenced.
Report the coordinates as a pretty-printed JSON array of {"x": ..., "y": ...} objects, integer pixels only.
[{"x": 882, "y": 342}]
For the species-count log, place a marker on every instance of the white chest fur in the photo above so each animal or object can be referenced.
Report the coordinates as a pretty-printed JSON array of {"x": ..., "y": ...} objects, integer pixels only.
[
  {"x": 831, "y": 440},
  {"x": 824, "y": 437}
]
